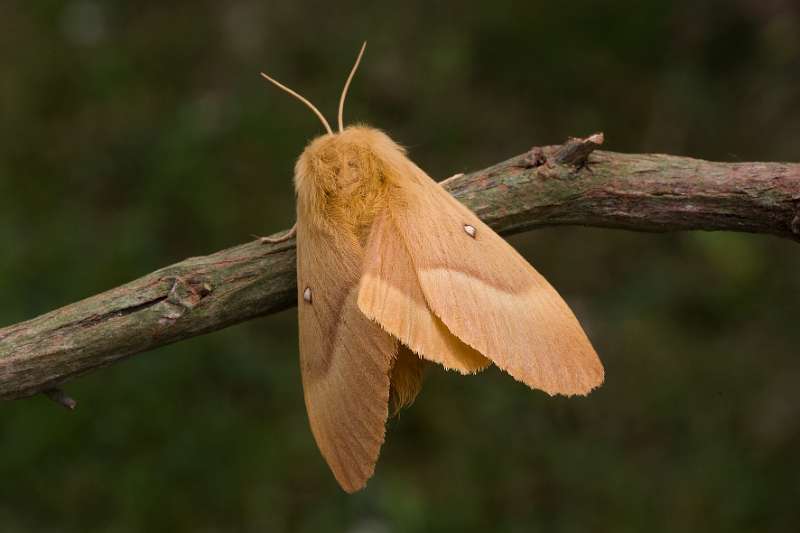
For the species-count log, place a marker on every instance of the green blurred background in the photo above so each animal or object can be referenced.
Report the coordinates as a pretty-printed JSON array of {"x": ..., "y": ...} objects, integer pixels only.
[{"x": 135, "y": 134}]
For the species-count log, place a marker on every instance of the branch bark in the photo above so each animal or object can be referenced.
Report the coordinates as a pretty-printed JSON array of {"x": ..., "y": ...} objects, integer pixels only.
[{"x": 569, "y": 184}]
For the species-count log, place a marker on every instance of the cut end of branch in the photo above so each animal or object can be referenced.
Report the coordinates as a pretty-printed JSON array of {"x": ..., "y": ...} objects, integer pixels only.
[
  {"x": 598, "y": 138},
  {"x": 575, "y": 151},
  {"x": 61, "y": 398}
]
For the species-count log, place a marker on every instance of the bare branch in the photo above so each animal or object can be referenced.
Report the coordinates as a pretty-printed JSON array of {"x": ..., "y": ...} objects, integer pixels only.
[{"x": 556, "y": 185}]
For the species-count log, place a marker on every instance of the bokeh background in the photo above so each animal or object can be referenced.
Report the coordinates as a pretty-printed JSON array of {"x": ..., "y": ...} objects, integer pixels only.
[{"x": 135, "y": 134}]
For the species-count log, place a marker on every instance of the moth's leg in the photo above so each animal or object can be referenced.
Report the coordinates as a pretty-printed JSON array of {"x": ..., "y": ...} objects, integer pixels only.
[{"x": 283, "y": 238}]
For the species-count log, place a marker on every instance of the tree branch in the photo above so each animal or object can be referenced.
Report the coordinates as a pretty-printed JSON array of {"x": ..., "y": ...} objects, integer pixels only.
[{"x": 554, "y": 185}]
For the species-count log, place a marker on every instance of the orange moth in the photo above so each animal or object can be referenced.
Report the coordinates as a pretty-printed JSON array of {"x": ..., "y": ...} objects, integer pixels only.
[{"x": 391, "y": 271}]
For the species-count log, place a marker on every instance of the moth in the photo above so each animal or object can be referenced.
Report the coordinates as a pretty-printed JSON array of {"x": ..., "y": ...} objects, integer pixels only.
[{"x": 393, "y": 271}]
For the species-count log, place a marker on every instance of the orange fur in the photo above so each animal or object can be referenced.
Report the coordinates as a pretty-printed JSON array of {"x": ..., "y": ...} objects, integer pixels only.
[
  {"x": 406, "y": 380},
  {"x": 341, "y": 179}
]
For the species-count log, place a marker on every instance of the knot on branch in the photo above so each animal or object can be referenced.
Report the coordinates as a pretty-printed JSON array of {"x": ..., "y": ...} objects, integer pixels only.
[
  {"x": 535, "y": 158},
  {"x": 184, "y": 296}
]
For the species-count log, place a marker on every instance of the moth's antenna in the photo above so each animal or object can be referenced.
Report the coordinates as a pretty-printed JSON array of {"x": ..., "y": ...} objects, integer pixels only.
[
  {"x": 302, "y": 99},
  {"x": 347, "y": 86}
]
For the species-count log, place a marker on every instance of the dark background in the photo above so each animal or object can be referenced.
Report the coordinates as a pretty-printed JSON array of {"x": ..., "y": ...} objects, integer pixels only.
[{"x": 135, "y": 134}]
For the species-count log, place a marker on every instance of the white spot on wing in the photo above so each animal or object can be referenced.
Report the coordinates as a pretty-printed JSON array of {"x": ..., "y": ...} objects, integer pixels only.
[{"x": 470, "y": 230}]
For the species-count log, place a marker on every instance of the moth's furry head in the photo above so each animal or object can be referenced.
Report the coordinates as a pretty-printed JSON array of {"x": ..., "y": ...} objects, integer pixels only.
[
  {"x": 341, "y": 178},
  {"x": 331, "y": 159}
]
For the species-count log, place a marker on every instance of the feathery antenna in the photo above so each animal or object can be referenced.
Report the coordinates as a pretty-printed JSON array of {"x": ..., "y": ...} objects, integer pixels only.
[
  {"x": 347, "y": 86},
  {"x": 302, "y": 99}
]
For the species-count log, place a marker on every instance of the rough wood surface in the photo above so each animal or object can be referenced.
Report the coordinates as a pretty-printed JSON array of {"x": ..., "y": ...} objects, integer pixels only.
[{"x": 555, "y": 185}]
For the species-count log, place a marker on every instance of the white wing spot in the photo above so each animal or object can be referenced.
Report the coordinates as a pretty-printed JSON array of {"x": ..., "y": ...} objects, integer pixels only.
[
  {"x": 307, "y": 294},
  {"x": 470, "y": 230}
]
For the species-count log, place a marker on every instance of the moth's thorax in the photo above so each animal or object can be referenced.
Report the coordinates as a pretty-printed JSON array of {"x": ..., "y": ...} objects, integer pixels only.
[{"x": 341, "y": 179}]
